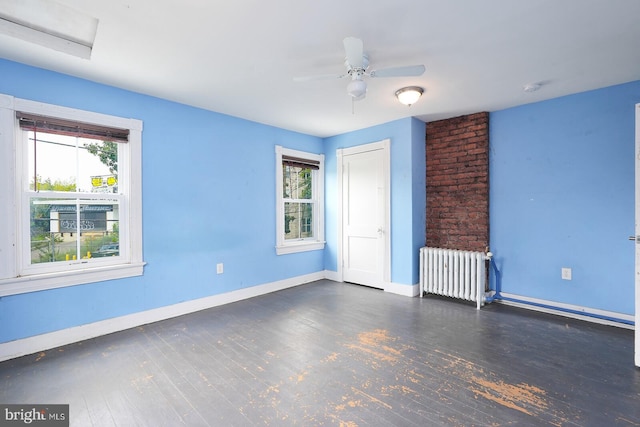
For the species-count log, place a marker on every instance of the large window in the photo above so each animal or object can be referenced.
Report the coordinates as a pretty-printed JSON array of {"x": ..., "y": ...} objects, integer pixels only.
[
  {"x": 75, "y": 211},
  {"x": 300, "y": 193}
]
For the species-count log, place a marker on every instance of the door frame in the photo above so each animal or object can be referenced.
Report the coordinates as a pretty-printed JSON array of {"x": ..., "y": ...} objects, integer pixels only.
[
  {"x": 385, "y": 146},
  {"x": 637, "y": 235}
]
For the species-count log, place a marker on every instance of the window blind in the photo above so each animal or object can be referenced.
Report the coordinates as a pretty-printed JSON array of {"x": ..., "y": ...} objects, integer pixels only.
[
  {"x": 58, "y": 126},
  {"x": 300, "y": 162}
]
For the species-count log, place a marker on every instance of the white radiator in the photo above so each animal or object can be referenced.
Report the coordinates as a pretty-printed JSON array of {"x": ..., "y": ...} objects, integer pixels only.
[{"x": 454, "y": 273}]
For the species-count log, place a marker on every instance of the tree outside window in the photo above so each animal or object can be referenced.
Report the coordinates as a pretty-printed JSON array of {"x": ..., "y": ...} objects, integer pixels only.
[{"x": 300, "y": 188}]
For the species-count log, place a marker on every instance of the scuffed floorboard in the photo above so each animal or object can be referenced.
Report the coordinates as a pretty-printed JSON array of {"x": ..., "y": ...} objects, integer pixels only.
[{"x": 330, "y": 354}]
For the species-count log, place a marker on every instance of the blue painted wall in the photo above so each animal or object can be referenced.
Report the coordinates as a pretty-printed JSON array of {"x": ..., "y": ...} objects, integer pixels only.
[
  {"x": 208, "y": 197},
  {"x": 408, "y": 198},
  {"x": 562, "y": 195},
  {"x": 419, "y": 201}
]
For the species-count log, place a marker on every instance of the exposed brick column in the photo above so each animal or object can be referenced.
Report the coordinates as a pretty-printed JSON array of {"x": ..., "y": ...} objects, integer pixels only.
[{"x": 458, "y": 182}]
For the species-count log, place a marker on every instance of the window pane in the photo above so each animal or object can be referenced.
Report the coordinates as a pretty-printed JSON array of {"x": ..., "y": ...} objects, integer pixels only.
[
  {"x": 60, "y": 233},
  {"x": 66, "y": 163},
  {"x": 297, "y": 182},
  {"x": 298, "y": 220}
]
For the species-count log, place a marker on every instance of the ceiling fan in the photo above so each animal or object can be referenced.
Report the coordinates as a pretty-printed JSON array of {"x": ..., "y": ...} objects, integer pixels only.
[{"x": 357, "y": 64}]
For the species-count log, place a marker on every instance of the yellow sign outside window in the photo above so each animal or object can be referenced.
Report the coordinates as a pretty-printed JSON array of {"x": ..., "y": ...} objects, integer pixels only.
[{"x": 104, "y": 181}]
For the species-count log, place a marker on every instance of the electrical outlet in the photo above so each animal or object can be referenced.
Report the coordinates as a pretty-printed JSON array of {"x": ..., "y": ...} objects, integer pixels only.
[
  {"x": 566, "y": 273},
  {"x": 220, "y": 268}
]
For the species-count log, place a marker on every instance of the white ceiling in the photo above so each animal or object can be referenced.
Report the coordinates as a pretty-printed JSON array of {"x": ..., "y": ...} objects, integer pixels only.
[{"x": 239, "y": 57}]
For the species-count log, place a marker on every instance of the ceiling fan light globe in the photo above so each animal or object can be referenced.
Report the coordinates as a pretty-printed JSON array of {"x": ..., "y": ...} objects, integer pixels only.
[{"x": 357, "y": 88}]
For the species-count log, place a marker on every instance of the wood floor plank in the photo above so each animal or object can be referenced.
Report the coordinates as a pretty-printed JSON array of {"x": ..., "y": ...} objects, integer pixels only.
[{"x": 335, "y": 354}]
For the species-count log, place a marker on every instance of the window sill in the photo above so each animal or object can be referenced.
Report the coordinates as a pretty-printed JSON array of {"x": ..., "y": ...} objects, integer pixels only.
[
  {"x": 303, "y": 246},
  {"x": 41, "y": 282}
]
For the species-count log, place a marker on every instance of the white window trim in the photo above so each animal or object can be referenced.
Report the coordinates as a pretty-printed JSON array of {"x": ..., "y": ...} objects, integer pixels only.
[
  {"x": 12, "y": 280},
  {"x": 288, "y": 247}
]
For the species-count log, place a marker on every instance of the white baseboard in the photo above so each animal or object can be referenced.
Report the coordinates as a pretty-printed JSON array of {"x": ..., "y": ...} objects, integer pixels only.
[
  {"x": 394, "y": 288},
  {"x": 404, "y": 290},
  {"x": 552, "y": 307},
  {"x": 332, "y": 275},
  {"x": 34, "y": 344}
]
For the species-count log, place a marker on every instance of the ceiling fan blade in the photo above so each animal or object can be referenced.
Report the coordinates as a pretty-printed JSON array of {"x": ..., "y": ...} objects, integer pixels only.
[
  {"x": 318, "y": 77},
  {"x": 354, "y": 51},
  {"x": 411, "y": 70}
]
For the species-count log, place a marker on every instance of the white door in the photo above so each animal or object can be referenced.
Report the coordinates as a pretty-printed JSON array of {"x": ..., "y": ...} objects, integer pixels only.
[
  {"x": 365, "y": 218},
  {"x": 637, "y": 238}
]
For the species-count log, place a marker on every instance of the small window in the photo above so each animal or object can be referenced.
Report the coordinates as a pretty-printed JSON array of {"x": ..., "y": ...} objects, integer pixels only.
[{"x": 300, "y": 191}]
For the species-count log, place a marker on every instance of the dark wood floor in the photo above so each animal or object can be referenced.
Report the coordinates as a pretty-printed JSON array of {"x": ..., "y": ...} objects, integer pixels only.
[{"x": 331, "y": 354}]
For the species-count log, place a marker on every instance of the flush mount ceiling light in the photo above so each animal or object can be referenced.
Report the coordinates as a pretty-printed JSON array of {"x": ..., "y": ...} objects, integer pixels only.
[
  {"x": 49, "y": 24},
  {"x": 409, "y": 95}
]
